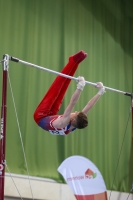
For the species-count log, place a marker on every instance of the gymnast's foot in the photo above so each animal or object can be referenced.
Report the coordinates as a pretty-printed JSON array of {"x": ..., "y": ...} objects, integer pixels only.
[{"x": 79, "y": 57}]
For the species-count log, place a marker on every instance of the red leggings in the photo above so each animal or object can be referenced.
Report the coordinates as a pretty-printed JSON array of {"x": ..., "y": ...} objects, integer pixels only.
[{"x": 52, "y": 101}]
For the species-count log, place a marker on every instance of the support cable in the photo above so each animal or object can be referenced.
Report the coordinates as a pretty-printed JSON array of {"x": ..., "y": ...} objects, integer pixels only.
[
  {"x": 119, "y": 154},
  {"x": 20, "y": 136},
  {"x": 13, "y": 180},
  {"x": 130, "y": 192}
]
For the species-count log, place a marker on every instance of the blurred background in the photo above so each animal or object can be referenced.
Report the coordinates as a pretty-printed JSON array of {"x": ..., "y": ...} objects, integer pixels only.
[{"x": 46, "y": 33}]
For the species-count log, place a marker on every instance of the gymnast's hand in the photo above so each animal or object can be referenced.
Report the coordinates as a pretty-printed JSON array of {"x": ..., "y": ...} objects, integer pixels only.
[
  {"x": 101, "y": 88},
  {"x": 81, "y": 83}
]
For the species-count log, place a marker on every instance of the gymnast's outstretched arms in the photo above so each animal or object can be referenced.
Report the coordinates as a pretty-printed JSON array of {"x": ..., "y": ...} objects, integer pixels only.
[{"x": 68, "y": 116}]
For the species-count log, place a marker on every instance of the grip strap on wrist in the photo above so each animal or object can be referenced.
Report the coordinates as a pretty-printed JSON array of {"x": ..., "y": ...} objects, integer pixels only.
[
  {"x": 81, "y": 83},
  {"x": 80, "y": 86},
  {"x": 101, "y": 91}
]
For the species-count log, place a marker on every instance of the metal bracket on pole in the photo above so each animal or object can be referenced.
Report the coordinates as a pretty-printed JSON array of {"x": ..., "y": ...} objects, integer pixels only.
[{"x": 5, "y": 62}]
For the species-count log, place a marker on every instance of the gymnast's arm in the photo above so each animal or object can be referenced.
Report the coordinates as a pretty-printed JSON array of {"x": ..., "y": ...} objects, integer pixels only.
[
  {"x": 93, "y": 101},
  {"x": 65, "y": 119}
]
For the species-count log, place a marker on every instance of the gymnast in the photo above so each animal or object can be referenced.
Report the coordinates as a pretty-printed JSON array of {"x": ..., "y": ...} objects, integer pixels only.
[{"x": 46, "y": 114}]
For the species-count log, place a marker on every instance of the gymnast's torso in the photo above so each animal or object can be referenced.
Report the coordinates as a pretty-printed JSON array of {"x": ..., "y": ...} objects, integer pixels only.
[{"x": 46, "y": 124}]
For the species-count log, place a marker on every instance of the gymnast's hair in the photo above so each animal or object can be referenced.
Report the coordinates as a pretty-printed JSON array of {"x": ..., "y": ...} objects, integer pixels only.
[{"x": 81, "y": 121}]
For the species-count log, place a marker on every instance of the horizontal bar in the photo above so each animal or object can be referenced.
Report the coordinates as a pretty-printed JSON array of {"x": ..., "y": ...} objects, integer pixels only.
[{"x": 64, "y": 75}]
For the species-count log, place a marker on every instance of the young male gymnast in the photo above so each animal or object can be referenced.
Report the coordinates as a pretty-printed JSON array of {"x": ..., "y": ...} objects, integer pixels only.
[{"x": 46, "y": 113}]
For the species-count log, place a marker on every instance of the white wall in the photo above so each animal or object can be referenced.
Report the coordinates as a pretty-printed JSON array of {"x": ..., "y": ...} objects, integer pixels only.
[{"x": 45, "y": 189}]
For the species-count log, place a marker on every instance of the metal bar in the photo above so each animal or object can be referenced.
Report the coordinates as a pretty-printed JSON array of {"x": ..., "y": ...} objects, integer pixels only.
[
  {"x": 64, "y": 75},
  {"x": 3, "y": 126}
]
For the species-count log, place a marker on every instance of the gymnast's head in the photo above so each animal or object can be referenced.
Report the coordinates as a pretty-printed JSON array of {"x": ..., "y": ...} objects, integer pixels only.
[{"x": 79, "y": 120}]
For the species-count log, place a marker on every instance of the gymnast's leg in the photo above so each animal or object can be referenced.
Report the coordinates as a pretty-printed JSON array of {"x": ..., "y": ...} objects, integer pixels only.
[{"x": 51, "y": 102}]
